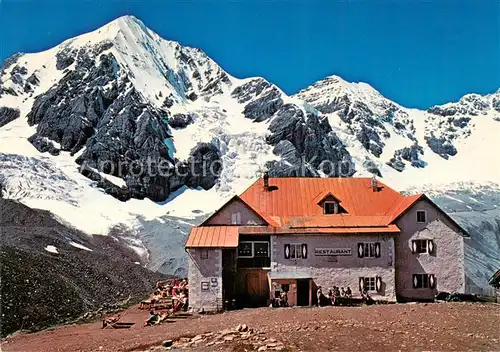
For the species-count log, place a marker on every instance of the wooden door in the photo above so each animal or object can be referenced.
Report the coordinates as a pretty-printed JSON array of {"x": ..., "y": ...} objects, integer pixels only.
[{"x": 257, "y": 288}]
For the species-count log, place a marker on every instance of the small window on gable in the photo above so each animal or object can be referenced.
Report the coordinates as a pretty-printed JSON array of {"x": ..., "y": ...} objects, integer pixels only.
[
  {"x": 421, "y": 216},
  {"x": 236, "y": 218},
  {"x": 204, "y": 254}
]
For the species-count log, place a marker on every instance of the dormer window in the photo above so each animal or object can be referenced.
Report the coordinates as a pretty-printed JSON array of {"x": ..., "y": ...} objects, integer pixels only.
[{"x": 330, "y": 207}]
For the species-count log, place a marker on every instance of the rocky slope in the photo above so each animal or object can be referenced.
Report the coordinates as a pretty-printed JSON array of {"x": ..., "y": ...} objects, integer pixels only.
[
  {"x": 52, "y": 273},
  {"x": 132, "y": 129}
]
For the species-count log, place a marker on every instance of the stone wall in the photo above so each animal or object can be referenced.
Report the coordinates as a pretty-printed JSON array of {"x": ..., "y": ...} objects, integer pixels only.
[
  {"x": 344, "y": 272},
  {"x": 446, "y": 262},
  {"x": 205, "y": 278}
]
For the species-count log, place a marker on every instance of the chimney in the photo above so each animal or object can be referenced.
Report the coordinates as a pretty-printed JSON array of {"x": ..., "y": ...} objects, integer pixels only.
[
  {"x": 374, "y": 183},
  {"x": 266, "y": 180}
]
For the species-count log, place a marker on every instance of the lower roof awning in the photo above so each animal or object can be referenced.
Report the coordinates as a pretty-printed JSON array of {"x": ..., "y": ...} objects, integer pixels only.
[
  {"x": 213, "y": 237},
  {"x": 289, "y": 275}
]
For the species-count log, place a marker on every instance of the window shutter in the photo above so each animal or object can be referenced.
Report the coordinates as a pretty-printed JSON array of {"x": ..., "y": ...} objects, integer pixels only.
[
  {"x": 304, "y": 251},
  {"x": 377, "y": 249},
  {"x": 430, "y": 246},
  {"x": 415, "y": 281},
  {"x": 360, "y": 250},
  {"x": 414, "y": 246},
  {"x": 287, "y": 251},
  {"x": 432, "y": 281},
  {"x": 361, "y": 284},
  {"x": 378, "y": 283}
]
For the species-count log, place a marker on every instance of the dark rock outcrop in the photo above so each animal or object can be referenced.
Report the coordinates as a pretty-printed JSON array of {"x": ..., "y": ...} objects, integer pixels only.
[
  {"x": 496, "y": 103},
  {"x": 8, "y": 115},
  {"x": 441, "y": 146},
  {"x": 95, "y": 106},
  {"x": 180, "y": 121},
  {"x": 307, "y": 146},
  {"x": 371, "y": 167},
  {"x": 263, "y": 99},
  {"x": 69, "y": 112},
  {"x": 411, "y": 154}
]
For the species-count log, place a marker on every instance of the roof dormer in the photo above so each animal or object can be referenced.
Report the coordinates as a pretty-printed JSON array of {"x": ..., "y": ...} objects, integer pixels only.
[{"x": 329, "y": 203}]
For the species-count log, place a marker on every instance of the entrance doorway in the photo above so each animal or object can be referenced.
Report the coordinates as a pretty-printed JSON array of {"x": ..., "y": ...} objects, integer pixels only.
[
  {"x": 257, "y": 289},
  {"x": 303, "y": 292}
]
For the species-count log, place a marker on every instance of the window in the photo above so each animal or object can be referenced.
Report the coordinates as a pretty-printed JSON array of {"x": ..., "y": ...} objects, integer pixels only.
[
  {"x": 369, "y": 250},
  {"x": 421, "y": 216},
  {"x": 236, "y": 218},
  {"x": 245, "y": 250},
  {"x": 204, "y": 254},
  {"x": 253, "y": 254},
  {"x": 331, "y": 208},
  {"x": 423, "y": 281},
  {"x": 370, "y": 284},
  {"x": 261, "y": 249},
  {"x": 296, "y": 251},
  {"x": 422, "y": 246}
]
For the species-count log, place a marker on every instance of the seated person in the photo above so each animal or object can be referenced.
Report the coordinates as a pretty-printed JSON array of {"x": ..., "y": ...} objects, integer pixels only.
[
  {"x": 277, "y": 299},
  {"x": 369, "y": 299},
  {"x": 152, "y": 320},
  {"x": 284, "y": 299}
]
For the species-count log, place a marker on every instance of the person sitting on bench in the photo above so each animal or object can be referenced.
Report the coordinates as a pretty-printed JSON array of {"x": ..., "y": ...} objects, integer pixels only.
[
  {"x": 153, "y": 319},
  {"x": 284, "y": 299},
  {"x": 348, "y": 295}
]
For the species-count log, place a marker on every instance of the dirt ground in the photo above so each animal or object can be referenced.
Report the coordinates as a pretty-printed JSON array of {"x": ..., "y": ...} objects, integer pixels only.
[{"x": 405, "y": 327}]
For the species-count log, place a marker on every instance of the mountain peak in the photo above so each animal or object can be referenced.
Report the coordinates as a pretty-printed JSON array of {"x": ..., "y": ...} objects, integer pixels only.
[{"x": 126, "y": 22}]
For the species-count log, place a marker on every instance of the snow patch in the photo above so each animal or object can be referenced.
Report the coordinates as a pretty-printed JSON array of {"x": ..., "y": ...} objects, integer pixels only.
[{"x": 51, "y": 249}]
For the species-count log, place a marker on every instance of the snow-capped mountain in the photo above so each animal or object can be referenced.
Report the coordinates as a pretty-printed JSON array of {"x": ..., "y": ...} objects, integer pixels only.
[{"x": 119, "y": 127}]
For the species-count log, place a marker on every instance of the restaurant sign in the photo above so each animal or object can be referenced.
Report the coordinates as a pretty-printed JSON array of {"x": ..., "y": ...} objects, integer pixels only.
[{"x": 332, "y": 251}]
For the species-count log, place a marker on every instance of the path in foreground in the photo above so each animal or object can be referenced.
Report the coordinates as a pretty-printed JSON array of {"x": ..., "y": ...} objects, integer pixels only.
[{"x": 444, "y": 326}]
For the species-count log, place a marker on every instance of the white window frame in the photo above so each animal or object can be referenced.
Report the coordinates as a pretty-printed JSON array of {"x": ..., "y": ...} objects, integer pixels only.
[
  {"x": 425, "y": 216},
  {"x": 236, "y": 218},
  {"x": 253, "y": 249},
  {"x": 335, "y": 207},
  {"x": 422, "y": 240},
  {"x": 245, "y": 256},
  {"x": 371, "y": 249},
  {"x": 422, "y": 281},
  {"x": 367, "y": 287},
  {"x": 298, "y": 249}
]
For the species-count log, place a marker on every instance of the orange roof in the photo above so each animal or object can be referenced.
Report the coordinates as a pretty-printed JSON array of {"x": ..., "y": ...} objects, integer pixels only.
[
  {"x": 297, "y": 196},
  {"x": 213, "y": 236},
  {"x": 263, "y": 230},
  {"x": 269, "y": 220},
  {"x": 339, "y": 220},
  {"x": 404, "y": 204}
]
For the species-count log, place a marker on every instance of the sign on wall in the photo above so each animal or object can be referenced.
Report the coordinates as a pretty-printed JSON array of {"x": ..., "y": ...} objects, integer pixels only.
[
  {"x": 205, "y": 286},
  {"x": 332, "y": 251}
]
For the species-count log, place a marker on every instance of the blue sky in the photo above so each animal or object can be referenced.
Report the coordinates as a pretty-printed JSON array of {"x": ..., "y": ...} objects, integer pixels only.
[{"x": 418, "y": 53}]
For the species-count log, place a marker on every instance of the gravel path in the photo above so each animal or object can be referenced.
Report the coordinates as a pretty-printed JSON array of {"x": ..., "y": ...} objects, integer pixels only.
[{"x": 407, "y": 327}]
